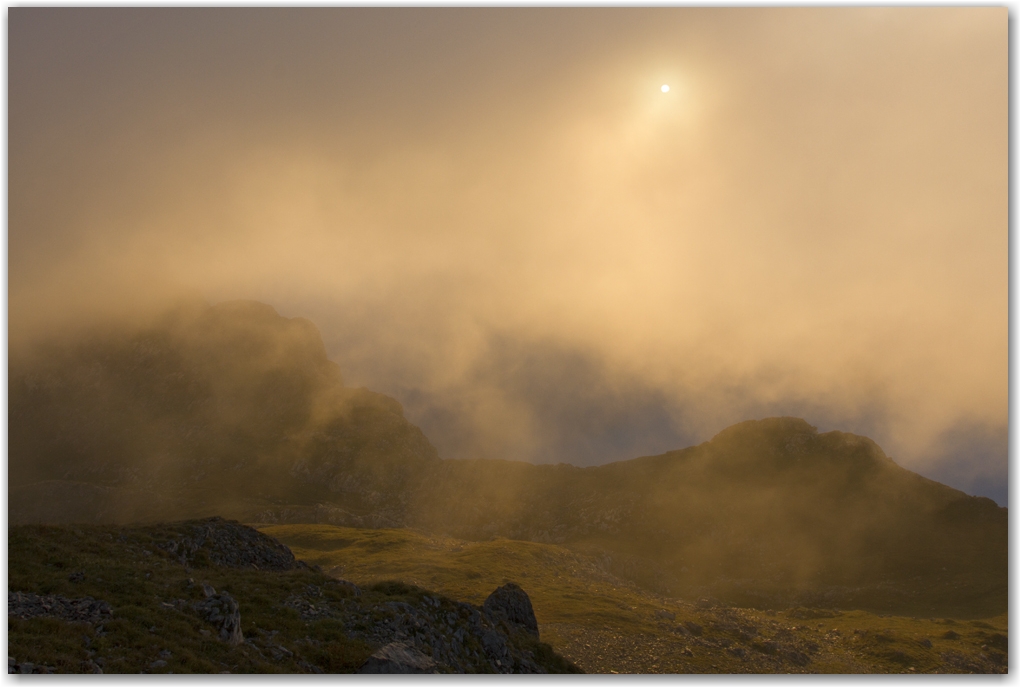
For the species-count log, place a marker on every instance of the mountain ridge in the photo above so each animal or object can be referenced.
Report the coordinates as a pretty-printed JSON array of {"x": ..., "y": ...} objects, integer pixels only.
[{"x": 236, "y": 411}]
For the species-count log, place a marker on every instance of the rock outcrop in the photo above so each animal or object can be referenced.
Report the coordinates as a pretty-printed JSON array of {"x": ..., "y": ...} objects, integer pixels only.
[
  {"x": 226, "y": 543},
  {"x": 221, "y": 611},
  {"x": 459, "y": 637},
  {"x": 85, "y": 610},
  {"x": 512, "y": 604}
]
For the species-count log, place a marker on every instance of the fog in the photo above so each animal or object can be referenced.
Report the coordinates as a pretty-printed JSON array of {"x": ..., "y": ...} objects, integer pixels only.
[{"x": 497, "y": 216}]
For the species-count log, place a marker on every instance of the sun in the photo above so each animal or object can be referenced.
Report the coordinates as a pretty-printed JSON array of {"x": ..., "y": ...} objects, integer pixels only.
[{"x": 665, "y": 88}]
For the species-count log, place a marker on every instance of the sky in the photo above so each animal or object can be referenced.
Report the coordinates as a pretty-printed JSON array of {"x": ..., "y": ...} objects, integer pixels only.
[{"x": 498, "y": 217}]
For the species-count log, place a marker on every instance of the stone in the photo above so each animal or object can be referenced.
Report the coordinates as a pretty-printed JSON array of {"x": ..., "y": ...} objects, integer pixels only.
[
  {"x": 86, "y": 609},
  {"x": 398, "y": 657},
  {"x": 512, "y": 604},
  {"x": 494, "y": 644},
  {"x": 229, "y": 544},
  {"x": 221, "y": 611}
]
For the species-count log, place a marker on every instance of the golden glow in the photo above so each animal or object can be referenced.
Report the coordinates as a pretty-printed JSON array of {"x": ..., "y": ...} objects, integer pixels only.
[{"x": 817, "y": 228}]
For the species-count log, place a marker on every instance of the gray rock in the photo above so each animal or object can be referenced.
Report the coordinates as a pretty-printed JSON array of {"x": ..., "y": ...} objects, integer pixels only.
[
  {"x": 397, "y": 657},
  {"x": 86, "y": 609},
  {"x": 495, "y": 644},
  {"x": 227, "y": 543},
  {"x": 221, "y": 611},
  {"x": 512, "y": 604}
]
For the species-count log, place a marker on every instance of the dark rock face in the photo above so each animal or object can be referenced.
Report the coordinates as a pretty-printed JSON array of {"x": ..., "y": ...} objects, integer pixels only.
[
  {"x": 397, "y": 657},
  {"x": 512, "y": 604},
  {"x": 85, "y": 610}
]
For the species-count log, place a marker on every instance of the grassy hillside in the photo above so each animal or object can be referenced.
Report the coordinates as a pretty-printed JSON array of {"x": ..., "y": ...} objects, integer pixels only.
[
  {"x": 293, "y": 618},
  {"x": 605, "y": 624}
]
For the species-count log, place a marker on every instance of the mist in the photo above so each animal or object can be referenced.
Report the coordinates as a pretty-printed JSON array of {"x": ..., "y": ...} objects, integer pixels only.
[{"x": 497, "y": 217}]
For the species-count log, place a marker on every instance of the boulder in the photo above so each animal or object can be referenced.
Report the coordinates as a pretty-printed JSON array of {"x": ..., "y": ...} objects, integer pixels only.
[
  {"x": 397, "y": 657},
  {"x": 221, "y": 611},
  {"x": 512, "y": 604}
]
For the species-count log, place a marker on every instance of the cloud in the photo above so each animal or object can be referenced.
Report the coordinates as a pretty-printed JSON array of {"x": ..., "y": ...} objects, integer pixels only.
[{"x": 498, "y": 216}]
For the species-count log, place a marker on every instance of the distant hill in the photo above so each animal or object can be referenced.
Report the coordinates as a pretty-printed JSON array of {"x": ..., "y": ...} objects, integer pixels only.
[
  {"x": 767, "y": 513},
  {"x": 208, "y": 410},
  {"x": 233, "y": 410}
]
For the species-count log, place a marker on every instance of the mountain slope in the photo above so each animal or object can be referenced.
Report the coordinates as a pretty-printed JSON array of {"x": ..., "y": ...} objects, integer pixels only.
[
  {"x": 205, "y": 411},
  {"x": 215, "y": 596},
  {"x": 768, "y": 512},
  {"x": 233, "y": 410},
  {"x": 607, "y": 625}
]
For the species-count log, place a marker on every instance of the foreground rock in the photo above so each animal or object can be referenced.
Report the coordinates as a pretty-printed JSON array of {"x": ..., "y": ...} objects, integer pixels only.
[
  {"x": 512, "y": 604},
  {"x": 221, "y": 611},
  {"x": 84, "y": 610},
  {"x": 459, "y": 637},
  {"x": 398, "y": 658},
  {"x": 26, "y": 667}
]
